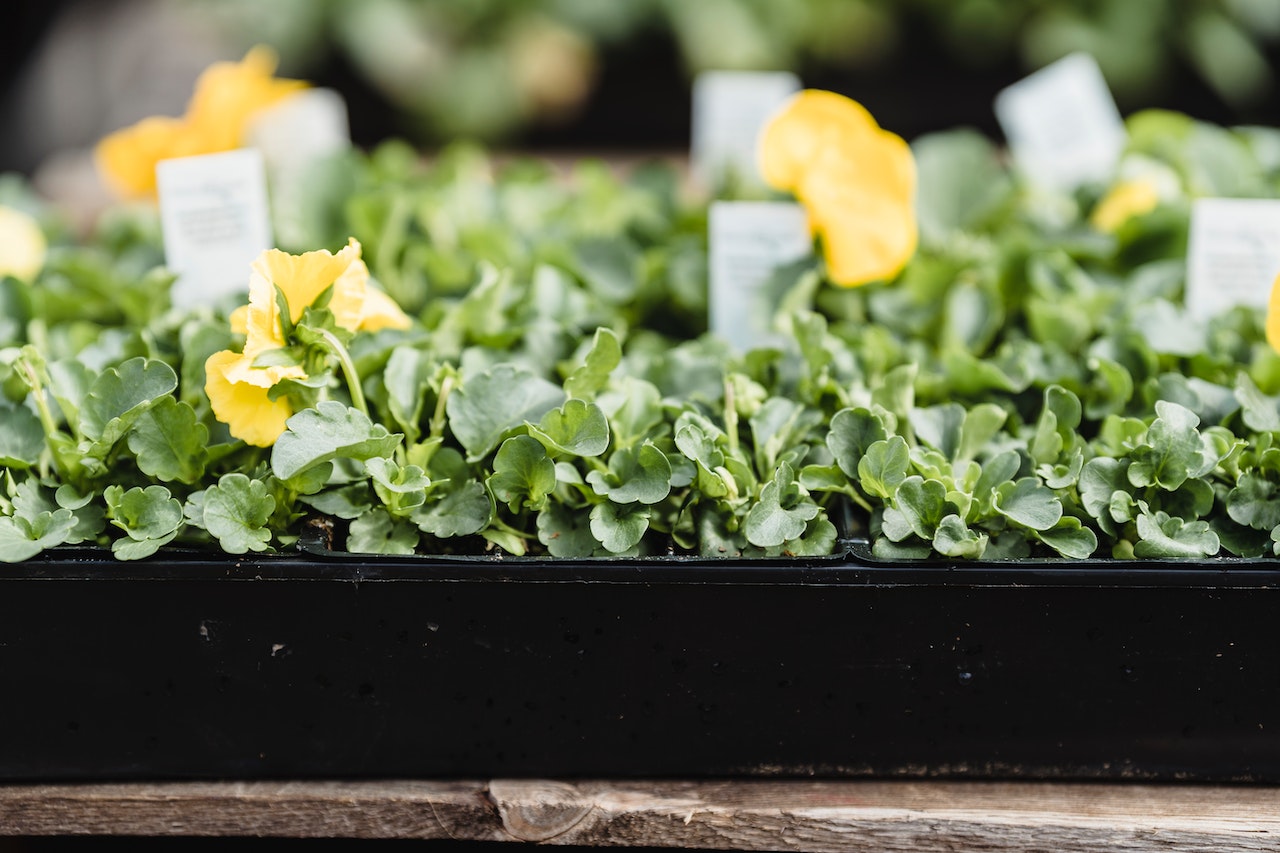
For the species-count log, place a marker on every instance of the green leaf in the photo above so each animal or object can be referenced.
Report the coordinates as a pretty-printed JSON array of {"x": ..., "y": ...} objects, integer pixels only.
[
  {"x": 150, "y": 513},
  {"x": 609, "y": 267},
  {"x": 90, "y": 516},
  {"x": 463, "y": 511},
  {"x": 782, "y": 513},
  {"x": 1261, "y": 413},
  {"x": 588, "y": 378},
  {"x": 21, "y": 437},
  {"x": 997, "y": 470},
  {"x": 22, "y": 538},
  {"x": 119, "y": 395},
  {"x": 376, "y": 532},
  {"x": 1240, "y": 540},
  {"x": 1028, "y": 503},
  {"x": 852, "y": 432},
  {"x": 634, "y": 409},
  {"x": 1055, "y": 429},
  {"x": 347, "y": 502},
  {"x": 885, "y": 549},
  {"x": 961, "y": 182},
  {"x": 523, "y": 474},
  {"x": 777, "y": 425},
  {"x": 818, "y": 540},
  {"x": 1165, "y": 536},
  {"x": 923, "y": 503},
  {"x": 1100, "y": 480},
  {"x": 641, "y": 474},
  {"x": 236, "y": 512},
  {"x": 953, "y": 538},
  {"x": 939, "y": 427},
  {"x": 619, "y": 528},
  {"x": 407, "y": 378},
  {"x": 1070, "y": 538},
  {"x": 897, "y": 394},
  {"x": 328, "y": 431},
  {"x": 1174, "y": 451},
  {"x": 981, "y": 424},
  {"x": 884, "y": 467},
  {"x": 1253, "y": 502},
  {"x": 566, "y": 533},
  {"x": 491, "y": 403},
  {"x": 400, "y": 488},
  {"x": 169, "y": 442},
  {"x": 1063, "y": 476},
  {"x": 139, "y": 549},
  {"x": 577, "y": 428},
  {"x": 824, "y": 478}
]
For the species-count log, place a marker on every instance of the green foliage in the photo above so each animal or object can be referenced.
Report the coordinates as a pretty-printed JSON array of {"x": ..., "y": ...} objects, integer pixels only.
[{"x": 1028, "y": 387}]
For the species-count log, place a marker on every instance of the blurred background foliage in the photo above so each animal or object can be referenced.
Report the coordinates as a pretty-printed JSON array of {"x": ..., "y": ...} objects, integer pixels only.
[
  {"x": 593, "y": 76},
  {"x": 500, "y": 70}
]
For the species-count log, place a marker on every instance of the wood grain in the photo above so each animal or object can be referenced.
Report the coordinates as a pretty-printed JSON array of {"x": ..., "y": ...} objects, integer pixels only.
[{"x": 746, "y": 815}]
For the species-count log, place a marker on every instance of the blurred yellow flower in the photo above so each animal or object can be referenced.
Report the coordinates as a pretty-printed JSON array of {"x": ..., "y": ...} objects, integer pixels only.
[
  {"x": 237, "y": 387},
  {"x": 22, "y": 245},
  {"x": 227, "y": 96},
  {"x": 1124, "y": 201},
  {"x": 856, "y": 180},
  {"x": 1273, "y": 316}
]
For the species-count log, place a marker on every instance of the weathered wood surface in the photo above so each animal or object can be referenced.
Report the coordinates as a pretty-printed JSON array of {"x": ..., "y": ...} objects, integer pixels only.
[{"x": 748, "y": 815}]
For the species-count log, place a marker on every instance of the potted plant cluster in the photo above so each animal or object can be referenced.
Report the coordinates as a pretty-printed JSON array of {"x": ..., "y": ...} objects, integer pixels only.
[{"x": 464, "y": 487}]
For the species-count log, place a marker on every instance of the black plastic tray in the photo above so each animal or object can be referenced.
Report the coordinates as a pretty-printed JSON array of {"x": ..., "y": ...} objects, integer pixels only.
[{"x": 327, "y": 665}]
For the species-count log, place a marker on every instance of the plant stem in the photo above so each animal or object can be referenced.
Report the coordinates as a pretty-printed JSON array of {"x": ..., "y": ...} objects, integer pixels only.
[
  {"x": 499, "y": 524},
  {"x": 438, "y": 416},
  {"x": 730, "y": 416},
  {"x": 348, "y": 370}
]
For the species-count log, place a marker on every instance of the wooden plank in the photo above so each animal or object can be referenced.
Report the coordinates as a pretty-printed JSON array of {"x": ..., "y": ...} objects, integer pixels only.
[{"x": 747, "y": 815}]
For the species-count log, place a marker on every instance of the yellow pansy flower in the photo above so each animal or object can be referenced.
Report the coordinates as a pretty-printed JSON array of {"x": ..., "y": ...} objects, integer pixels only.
[
  {"x": 22, "y": 245},
  {"x": 237, "y": 389},
  {"x": 227, "y": 96},
  {"x": 1124, "y": 201},
  {"x": 856, "y": 180},
  {"x": 251, "y": 415}
]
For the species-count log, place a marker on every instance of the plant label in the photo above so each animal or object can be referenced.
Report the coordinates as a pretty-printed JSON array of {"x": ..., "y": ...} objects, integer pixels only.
[
  {"x": 749, "y": 240},
  {"x": 1233, "y": 254},
  {"x": 213, "y": 216},
  {"x": 1062, "y": 124},
  {"x": 303, "y": 127},
  {"x": 294, "y": 136},
  {"x": 729, "y": 110}
]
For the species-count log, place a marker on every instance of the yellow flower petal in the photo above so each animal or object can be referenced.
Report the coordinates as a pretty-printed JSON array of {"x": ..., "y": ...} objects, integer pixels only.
[
  {"x": 127, "y": 158},
  {"x": 1124, "y": 201},
  {"x": 22, "y": 245},
  {"x": 227, "y": 96},
  {"x": 856, "y": 180},
  {"x": 304, "y": 277},
  {"x": 810, "y": 122},
  {"x": 1273, "y": 316},
  {"x": 381, "y": 312},
  {"x": 244, "y": 408},
  {"x": 239, "y": 320}
]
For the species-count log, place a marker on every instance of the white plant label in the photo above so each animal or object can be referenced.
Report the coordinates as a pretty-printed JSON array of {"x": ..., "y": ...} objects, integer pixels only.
[
  {"x": 293, "y": 135},
  {"x": 303, "y": 127},
  {"x": 748, "y": 241},
  {"x": 1233, "y": 254},
  {"x": 729, "y": 110},
  {"x": 213, "y": 214},
  {"x": 1062, "y": 124}
]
